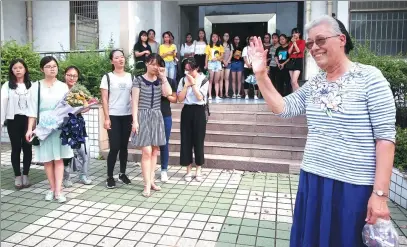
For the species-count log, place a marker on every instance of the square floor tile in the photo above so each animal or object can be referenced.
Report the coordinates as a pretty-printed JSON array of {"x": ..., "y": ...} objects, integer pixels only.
[
  {"x": 209, "y": 235},
  {"x": 118, "y": 233},
  {"x": 151, "y": 238},
  {"x": 49, "y": 242},
  {"x": 126, "y": 243},
  {"x": 158, "y": 229},
  {"x": 45, "y": 231},
  {"x": 92, "y": 239},
  {"x": 191, "y": 233},
  {"x": 228, "y": 238},
  {"x": 169, "y": 240},
  {"x": 102, "y": 230},
  {"x": 108, "y": 242},
  {"x": 60, "y": 234},
  {"x": 76, "y": 237},
  {"x": 32, "y": 240},
  {"x": 175, "y": 231}
]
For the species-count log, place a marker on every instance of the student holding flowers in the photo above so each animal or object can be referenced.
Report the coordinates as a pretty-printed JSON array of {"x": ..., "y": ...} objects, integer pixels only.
[
  {"x": 45, "y": 95},
  {"x": 71, "y": 78}
]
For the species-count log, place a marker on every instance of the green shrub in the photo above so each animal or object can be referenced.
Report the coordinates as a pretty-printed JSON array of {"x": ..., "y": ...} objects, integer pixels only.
[
  {"x": 11, "y": 50},
  {"x": 400, "y": 159},
  {"x": 394, "y": 69},
  {"x": 92, "y": 65}
]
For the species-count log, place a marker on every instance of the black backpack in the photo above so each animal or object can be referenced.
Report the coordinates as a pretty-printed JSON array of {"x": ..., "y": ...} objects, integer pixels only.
[{"x": 206, "y": 105}]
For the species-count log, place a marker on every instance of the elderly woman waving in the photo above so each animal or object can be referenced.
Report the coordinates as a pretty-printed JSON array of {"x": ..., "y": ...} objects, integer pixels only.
[{"x": 348, "y": 158}]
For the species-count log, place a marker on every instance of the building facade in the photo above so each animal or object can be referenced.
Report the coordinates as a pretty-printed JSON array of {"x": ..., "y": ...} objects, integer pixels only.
[{"x": 54, "y": 26}]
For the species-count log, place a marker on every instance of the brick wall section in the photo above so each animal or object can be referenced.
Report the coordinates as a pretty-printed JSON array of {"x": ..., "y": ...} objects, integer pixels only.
[{"x": 92, "y": 128}]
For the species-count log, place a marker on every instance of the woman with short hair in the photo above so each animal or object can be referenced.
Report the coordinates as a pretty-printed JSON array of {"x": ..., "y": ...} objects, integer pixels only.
[
  {"x": 45, "y": 95},
  {"x": 348, "y": 159}
]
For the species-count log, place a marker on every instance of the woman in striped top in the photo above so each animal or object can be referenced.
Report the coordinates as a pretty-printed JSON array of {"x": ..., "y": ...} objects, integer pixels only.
[
  {"x": 348, "y": 158},
  {"x": 148, "y": 125}
]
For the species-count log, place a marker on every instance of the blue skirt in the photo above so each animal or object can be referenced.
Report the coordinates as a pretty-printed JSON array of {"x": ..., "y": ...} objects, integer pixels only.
[{"x": 328, "y": 213}]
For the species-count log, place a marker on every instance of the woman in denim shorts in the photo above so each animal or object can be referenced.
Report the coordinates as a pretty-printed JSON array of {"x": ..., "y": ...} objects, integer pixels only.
[
  {"x": 213, "y": 62},
  {"x": 236, "y": 67}
]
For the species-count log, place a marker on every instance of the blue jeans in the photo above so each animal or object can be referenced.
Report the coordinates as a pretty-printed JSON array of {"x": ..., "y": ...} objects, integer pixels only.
[
  {"x": 170, "y": 67},
  {"x": 164, "y": 150}
]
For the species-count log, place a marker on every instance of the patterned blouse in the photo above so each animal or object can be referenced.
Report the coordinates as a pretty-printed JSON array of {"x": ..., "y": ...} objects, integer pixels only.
[{"x": 345, "y": 118}]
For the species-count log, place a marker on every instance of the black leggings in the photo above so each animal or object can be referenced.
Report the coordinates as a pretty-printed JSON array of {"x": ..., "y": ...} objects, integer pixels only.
[
  {"x": 246, "y": 73},
  {"x": 16, "y": 131},
  {"x": 283, "y": 82},
  {"x": 193, "y": 130},
  {"x": 119, "y": 135}
]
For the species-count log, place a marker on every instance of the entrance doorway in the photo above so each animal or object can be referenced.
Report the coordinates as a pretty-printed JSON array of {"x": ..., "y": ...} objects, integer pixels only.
[{"x": 243, "y": 30}]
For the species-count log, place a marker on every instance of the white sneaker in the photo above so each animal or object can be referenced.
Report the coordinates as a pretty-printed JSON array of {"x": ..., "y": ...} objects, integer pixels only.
[
  {"x": 49, "y": 196},
  {"x": 164, "y": 176},
  {"x": 255, "y": 97},
  {"x": 234, "y": 96},
  {"x": 67, "y": 183},
  {"x": 60, "y": 198},
  {"x": 198, "y": 177},
  {"x": 218, "y": 98},
  {"x": 188, "y": 177},
  {"x": 247, "y": 97},
  {"x": 210, "y": 98},
  {"x": 85, "y": 180}
]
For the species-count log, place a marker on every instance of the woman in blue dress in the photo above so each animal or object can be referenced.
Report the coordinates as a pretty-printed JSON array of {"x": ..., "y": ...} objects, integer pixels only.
[
  {"x": 51, "y": 152},
  {"x": 348, "y": 159}
]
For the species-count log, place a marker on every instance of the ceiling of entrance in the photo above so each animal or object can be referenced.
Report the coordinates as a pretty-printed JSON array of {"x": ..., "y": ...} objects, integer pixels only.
[{"x": 201, "y": 2}]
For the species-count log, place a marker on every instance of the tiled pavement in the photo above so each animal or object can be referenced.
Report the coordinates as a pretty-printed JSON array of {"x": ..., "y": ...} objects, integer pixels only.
[{"x": 228, "y": 208}]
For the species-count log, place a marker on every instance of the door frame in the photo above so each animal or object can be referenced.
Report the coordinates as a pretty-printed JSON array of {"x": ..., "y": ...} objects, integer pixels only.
[{"x": 213, "y": 19}]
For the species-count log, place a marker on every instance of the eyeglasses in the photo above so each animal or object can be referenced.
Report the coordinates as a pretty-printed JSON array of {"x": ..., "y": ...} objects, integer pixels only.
[
  {"x": 50, "y": 67},
  {"x": 319, "y": 42},
  {"x": 72, "y": 76}
]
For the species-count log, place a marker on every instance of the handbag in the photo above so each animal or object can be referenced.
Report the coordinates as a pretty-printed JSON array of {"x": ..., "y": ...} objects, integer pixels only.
[{"x": 35, "y": 141}]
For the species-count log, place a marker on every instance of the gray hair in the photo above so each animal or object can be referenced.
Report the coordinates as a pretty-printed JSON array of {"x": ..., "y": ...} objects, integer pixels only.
[{"x": 325, "y": 19}]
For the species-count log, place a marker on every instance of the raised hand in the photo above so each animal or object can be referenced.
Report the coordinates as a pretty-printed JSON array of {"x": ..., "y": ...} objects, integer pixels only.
[
  {"x": 258, "y": 56},
  {"x": 161, "y": 73}
]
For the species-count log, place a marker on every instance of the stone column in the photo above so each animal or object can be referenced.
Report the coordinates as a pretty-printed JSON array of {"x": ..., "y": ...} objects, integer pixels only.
[
  {"x": 343, "y": 13},
  {"x": 313, "y": 9}
]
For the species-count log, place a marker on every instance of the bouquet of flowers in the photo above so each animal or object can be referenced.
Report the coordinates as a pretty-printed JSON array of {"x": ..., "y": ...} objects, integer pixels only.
[{"x": 75, "y": 101}]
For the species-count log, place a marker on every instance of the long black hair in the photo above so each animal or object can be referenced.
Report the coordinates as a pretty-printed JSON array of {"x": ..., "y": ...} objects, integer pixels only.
[
  {"x": 229, "y": 44},
  {"x": 139, "y": 43},
  {"x": 12, "y": 79},
  {"x": 111, "y": 56},
  {"x": 211, "y": 42},
  {"x": 169, "y": 34},
  {"x": 234, "y": 45},
  {"x": 204, "y": 38}
]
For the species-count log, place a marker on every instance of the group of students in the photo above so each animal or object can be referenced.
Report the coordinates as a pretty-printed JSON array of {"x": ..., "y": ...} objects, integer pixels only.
[
  {"x": 24, "y": 104},
  {"x": 133, "y": 106},
  {"x": 139, "y": 109},
  {"x": 222, "y": 58}
]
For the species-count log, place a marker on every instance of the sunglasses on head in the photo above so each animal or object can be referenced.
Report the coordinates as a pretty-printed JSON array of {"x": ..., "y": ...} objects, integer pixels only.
[{"x": 319, "y": 41}]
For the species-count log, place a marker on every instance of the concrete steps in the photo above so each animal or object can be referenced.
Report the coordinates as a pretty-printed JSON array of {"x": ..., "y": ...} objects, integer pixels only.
[
  {"x": 243, "y": 136},
  {"x": 231, "y": 162}
]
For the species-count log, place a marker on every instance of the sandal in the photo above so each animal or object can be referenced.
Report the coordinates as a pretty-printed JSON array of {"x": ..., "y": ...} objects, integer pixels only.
[
  {"x": 146, "y": 193},
  {"x": 155, "y": 187}
]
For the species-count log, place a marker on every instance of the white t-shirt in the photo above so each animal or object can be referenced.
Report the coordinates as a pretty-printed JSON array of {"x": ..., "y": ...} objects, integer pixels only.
[
  {"x": 120, "y": 93},
  {"x": 200, "y": 47},
  {"x": 14, "y": 101},
  {"x": 244, "y": 54}
]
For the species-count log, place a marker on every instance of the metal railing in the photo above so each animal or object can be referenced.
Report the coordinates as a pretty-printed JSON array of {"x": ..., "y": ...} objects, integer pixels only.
[{"x": 61, "y": 55}]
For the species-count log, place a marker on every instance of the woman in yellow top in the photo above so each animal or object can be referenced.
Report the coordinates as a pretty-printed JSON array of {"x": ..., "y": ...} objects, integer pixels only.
[
  {"x": 214, "y": 54},
  {"x": 168, "y": 51}
]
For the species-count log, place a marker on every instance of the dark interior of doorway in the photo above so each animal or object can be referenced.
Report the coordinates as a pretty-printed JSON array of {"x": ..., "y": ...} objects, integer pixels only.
[{"x": 243, "y": 30}]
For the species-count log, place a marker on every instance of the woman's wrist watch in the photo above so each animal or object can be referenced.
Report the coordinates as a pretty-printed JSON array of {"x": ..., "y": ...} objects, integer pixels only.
[{"x": 380, "y": 193}]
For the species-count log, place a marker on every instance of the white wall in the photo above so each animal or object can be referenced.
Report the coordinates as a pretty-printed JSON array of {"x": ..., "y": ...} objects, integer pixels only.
[
  {"x": 343, "y": 13},
  {"x": 171, "y": 19},
  {"x": 51, "y": 25},
  {"x": 109, "y": 23},
  {"x": 14, "y": 21}
]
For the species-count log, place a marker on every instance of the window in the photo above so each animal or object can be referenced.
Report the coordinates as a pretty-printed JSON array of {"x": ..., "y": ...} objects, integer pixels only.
[
  {"x": 383, "y": 24},
  {"x": 84, "y": 24}
]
